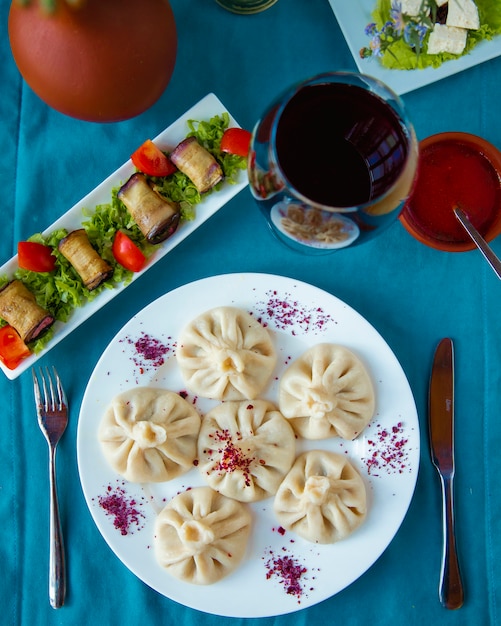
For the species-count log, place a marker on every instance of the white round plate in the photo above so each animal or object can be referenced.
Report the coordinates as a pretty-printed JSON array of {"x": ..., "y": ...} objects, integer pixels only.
[{"x": 298, "y": 316}]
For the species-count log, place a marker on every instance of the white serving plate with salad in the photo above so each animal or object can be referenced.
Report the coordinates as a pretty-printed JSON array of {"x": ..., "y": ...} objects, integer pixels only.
[
  {"x": 72, "y": 219},
  {"x": 353, "y": 17},
  {"x": 297, "y": 316}
]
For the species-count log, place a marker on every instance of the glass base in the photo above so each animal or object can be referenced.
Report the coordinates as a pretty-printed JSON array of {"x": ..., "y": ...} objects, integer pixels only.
[{"x": 244, "y": 7}]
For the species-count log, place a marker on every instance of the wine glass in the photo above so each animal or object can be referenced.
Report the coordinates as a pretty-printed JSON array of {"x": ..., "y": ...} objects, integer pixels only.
[{"x": 332, "y": 161}]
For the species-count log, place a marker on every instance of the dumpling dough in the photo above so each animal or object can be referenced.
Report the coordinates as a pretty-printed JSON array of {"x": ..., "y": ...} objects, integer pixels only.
[
  {"x": 245, "y": 449},
  {"x": 327, "y": 392},
  {"x": 201, "y": 536},
  {"x": 225, "y": 354},
  {"x": 149, "y": 435},
  {"x": 322, "y": 498}
]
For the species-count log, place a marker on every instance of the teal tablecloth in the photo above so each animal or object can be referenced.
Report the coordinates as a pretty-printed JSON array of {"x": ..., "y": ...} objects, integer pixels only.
[{"x": 412, "y": 294}]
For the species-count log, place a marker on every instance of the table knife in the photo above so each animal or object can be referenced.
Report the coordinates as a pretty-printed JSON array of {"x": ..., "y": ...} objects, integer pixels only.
[{"x": 441, "y": 431}]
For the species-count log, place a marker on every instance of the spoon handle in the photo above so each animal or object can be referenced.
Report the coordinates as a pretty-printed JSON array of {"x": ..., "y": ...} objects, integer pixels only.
[{"x": 479, "y": 241}]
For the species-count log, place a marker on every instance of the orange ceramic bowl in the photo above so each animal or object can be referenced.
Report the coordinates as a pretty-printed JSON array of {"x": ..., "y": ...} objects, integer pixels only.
[{"x": 454, "y": 170}]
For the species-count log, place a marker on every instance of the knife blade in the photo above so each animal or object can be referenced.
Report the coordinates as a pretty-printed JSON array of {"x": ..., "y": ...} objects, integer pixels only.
[{"x": 441, "y": 433}]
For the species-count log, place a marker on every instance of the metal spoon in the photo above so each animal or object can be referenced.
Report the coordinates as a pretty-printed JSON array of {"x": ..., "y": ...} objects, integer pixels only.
[{"x": 479, "y": 241}]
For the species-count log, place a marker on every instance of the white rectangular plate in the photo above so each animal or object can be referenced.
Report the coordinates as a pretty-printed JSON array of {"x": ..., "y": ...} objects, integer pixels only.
[
  {"x": 72, "y": 219},
  {"x": 353, "y": 17}
]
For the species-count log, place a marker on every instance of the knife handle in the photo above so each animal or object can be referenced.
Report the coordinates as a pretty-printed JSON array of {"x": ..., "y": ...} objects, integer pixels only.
[{"x": 451, "y": 587}]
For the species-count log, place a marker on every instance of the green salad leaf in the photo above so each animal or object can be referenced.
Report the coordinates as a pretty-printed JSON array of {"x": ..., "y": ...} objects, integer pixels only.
[{"x": 60, "y": 292}]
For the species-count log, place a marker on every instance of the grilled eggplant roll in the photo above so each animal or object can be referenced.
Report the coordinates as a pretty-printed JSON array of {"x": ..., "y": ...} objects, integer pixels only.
[
  {"x": 156, "y": 217},
  {"x": 19, "y": 308},
  {"x": 197, "y": 163},
  {"x": 92, "y": 269}
]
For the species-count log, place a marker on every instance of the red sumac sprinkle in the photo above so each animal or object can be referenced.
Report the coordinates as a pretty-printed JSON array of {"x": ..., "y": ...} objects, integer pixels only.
[
  {"x": 232, "y": 457},
  {"x": 285, "y": 313},
  {"x": 387, "y": 451},
  {"x": 149, "y": 352},
  {"x": 122, "y": 508},
  {"x": 288, "y": 571}
]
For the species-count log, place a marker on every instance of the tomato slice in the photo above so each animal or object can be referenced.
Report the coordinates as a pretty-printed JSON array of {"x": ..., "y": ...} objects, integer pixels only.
[
  {"x": 150, "y": 160},
  {"x": 12, "y": 348},
  {"x": 236, "y": 141},
  {"x": 127, "y": 253},
  {"x": 35, "y": 256}
]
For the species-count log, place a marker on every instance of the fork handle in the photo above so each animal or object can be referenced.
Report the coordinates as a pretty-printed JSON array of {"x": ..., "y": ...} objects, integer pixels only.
[
  {"x": 57, "y": 565},
  {"x": 451, "y": 586}
]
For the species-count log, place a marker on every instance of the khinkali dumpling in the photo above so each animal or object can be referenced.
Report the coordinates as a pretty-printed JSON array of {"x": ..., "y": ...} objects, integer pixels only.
[
  {"x": 201, "y": 536},
  {"x": 149, "y": 435},
  {"x": 226, "y": 354},
  {"x": 245, "y": 449},
  {"x": 322, "y": 498},
  {"x": 327, "y": 392}
]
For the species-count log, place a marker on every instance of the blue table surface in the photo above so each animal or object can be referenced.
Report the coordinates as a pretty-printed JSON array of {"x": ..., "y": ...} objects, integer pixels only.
[{"x": 413, "y": 295}]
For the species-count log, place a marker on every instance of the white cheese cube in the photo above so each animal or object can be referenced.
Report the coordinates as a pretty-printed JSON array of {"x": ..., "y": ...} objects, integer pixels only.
[
  {"x": 445, "y": 38},
  {"x": 411, "y": 7},
  {"x": 463, "y": 14}
]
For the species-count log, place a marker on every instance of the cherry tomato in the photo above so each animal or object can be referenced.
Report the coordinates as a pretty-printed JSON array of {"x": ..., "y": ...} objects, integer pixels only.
[
  {"x": 152, "y": 161},
  {"x": 236, "y": 141},
  {"x": 12, "y": 348},
  {"x": 35, "y": 256},
  {"x": 127, "y": 253},
  {"x": 95, "y": 60}
]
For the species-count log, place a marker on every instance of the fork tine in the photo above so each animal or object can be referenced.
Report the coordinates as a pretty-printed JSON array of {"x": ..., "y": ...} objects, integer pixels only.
[
  {"x": 40, "y": 389},
  {"x": 48, "y": 405},
  {"x": 36, "y": 388},
  {"x": 60, "y": 391}
]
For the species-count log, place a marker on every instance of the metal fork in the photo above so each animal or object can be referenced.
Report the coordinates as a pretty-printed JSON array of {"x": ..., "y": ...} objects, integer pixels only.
[{"x": 52, "y": 411}]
